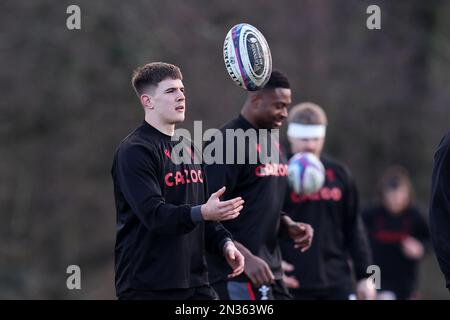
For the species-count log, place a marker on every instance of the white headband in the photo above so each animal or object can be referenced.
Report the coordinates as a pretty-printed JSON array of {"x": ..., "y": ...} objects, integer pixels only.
[{"x": 306, "y": 131}]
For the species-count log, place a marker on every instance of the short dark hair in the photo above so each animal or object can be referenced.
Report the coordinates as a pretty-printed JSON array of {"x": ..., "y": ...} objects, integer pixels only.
[
  {"x": 153, "y": 73},
  {"x": 277, "y": 80}
]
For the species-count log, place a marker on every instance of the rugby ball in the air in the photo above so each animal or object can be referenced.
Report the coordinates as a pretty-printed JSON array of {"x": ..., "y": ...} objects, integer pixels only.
[
  {"x": 306, "y": 173},
  {"x": 247, "y": 57}
]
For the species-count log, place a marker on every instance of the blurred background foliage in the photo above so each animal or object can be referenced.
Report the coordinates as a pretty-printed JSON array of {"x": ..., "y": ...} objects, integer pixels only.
[{"x": 67, "y": 102}]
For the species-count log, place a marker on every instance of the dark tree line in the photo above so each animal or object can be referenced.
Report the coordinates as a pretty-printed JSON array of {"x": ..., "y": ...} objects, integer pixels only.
[{"x": 67, "y": 102}]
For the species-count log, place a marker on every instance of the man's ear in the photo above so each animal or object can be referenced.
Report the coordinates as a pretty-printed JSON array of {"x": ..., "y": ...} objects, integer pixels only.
[{"x": 146, "y": 101}]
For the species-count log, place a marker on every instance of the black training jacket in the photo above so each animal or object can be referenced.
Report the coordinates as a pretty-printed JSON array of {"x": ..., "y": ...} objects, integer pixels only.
[
  {"x": 158, "y": 245},
  {"x": 440, "y": 206}
]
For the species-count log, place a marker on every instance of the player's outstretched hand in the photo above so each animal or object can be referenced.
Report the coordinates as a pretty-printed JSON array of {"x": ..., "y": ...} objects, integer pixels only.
[
  {"x": 217, "y": 210},
  {"x": 234, "y": 258}
]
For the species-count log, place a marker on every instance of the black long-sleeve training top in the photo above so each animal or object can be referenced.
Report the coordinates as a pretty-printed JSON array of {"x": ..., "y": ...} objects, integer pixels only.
[
  {"x": 440, "y": 206},
  {"x": 386, "y": 234},
  {"x": 161, "y": 239},
  {"x": 339, "y": 234},
  {"x": 262, "y": 184}
]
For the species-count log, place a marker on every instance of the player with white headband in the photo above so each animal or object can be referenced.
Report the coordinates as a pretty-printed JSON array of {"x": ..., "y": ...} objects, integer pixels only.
[
  {"x": 323, "y": 272},
  {"x": 306, "y": 131}
]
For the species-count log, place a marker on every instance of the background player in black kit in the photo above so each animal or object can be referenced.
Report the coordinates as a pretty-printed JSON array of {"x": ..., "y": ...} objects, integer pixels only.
[
  {"x": 440, "y": 207},
  {"x": 323, "y": 272},
  {"x": 164, "y": 216},
  {"x": 398, "y": 235},
  {"x": 262, "y": 186}
]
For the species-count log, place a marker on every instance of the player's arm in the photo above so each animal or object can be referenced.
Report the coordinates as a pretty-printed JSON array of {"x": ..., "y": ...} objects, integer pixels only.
[
  {"x": 301, "y": 233},
  {"x": 137, "y": 176},
  {"x": 219, "y": 241},
  {"x": 415, "y": 245},
  {"x": 421, "y": 230},
  {"x": 354, "y": 232},
  {"x": 256, "y": 269},
  {"x": 357, "y": 242}
]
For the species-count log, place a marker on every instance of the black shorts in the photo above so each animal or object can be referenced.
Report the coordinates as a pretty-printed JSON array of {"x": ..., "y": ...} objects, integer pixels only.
[
  {"x": 236, "y": 290},
  {"x": 198, "y": 293}
]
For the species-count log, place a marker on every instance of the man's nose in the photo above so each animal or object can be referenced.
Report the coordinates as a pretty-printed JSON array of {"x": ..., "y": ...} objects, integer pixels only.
[
  {"x": 310, "y": 145},
  {"x": 181, "y": 96}
]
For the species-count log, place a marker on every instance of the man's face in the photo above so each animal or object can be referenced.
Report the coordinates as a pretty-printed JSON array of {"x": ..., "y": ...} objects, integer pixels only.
[
  {"x": 168, "y": 101},
  {"x": 273, "y": 107},
  {"x": 397, "y": 200},
  {"x": 314, "y": 145}
]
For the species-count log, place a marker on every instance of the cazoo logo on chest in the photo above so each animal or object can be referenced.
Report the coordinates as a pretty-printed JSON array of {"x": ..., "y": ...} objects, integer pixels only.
[
  {"x": 183, "y": 177},
  {"x": 326, "y": 193}
]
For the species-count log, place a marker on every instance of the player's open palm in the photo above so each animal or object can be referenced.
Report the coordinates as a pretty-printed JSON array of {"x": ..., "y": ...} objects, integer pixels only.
[{"x": 217, "y": 210}]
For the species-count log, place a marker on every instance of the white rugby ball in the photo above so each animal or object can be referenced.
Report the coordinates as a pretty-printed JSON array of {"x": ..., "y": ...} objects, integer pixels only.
[
  {"x": 306, "y": 173},
  {"x": 247, "y": 57}
]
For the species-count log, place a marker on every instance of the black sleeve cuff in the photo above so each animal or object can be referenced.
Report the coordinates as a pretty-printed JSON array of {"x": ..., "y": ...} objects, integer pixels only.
[{"x": 196, "y": 214}]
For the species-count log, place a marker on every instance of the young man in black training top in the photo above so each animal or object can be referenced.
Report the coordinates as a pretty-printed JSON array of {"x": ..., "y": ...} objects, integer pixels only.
[
  {"x": 440, "y": 207},
  {"x": 324, "y": 271},
  {"x": 262, "y": 185},
  {"x": 164, "y": 216}
]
